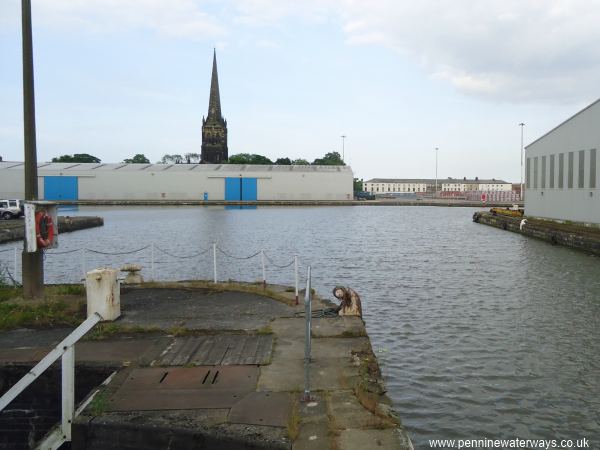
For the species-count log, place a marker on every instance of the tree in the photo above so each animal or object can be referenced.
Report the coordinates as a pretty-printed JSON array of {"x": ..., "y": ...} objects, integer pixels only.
[
  {"x": 358, "y": 185},
  {"x": 283, "y": 162},
  {"x": 247, "y": 158},
  {"x": 330, "y": 159},
  {"x": 171, "y": 159},
  {"x": 77, "y": 158},
  {"x": 137, "y": 159},
  {"x": 300, "y": 162},
  {"x": 192, "y": 158}
]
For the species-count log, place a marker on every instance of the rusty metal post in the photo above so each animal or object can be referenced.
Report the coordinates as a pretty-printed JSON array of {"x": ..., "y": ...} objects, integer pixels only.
[
  {"x": 32, "y": 263},
  {"x": 296, "y": 276}
]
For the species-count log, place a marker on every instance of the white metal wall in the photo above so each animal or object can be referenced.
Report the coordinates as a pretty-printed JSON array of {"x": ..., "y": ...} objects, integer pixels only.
[
  {"x": 581, "y": 132},
  {"x": 187, "y": 182}
]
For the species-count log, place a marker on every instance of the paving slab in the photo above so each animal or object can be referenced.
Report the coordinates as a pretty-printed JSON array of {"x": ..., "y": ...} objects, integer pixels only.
[
  {"x": 137, "y": 351},
  {"x": 359, "y": 439},
  {"x": 313, "y": 436},
  {"x": 199, "y": 309},
  {"x": 349, "y": 413}
]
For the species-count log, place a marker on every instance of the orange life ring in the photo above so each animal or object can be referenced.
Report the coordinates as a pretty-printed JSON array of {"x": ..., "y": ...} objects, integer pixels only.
[{"x": 44, "y": 229}]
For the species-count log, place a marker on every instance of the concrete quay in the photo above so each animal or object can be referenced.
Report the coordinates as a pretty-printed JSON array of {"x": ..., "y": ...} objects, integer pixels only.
[
  {"x": 575, "y": 236},
  {"x": 382, "y": 202},
  {"x": 14, "y": 230},
  {"x": 201, "y": 366}
]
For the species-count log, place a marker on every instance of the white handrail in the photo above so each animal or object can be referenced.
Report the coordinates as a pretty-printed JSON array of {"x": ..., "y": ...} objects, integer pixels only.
[{"x": 66, "y": 351}]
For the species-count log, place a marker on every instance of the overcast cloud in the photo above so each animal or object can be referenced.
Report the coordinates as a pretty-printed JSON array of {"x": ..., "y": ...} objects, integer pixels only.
[{"x": 509, "y": 50}]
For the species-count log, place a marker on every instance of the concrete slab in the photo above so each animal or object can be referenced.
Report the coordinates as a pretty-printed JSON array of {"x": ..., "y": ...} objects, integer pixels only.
[
  {"x": 356, "y": 439},
  {"x": 119, "y": 352},
  {"x": 349, "y": 413},
  {"x": 313, "y": 436},
  {"x": 338, "y": 327},
  {"x": 199, "y": 309}
]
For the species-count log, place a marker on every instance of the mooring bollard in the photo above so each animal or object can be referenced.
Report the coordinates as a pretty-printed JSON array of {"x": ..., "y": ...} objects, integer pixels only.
[{"x": 307, "y": 340}]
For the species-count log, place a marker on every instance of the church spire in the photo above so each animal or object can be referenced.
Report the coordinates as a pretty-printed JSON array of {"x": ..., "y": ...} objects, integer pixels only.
[{"x": 214, "y": 103}]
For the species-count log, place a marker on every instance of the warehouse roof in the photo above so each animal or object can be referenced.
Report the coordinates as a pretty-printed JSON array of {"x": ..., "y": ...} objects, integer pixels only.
[
  {"x": 432, "y": 181},
  {"x": 123, "y": 167}
]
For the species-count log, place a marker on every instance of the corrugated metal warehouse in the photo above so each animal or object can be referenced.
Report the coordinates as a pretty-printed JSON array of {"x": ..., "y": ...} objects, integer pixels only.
[
  {"x": 229, "y": 182},
  {"x": 561, "y": 170}
]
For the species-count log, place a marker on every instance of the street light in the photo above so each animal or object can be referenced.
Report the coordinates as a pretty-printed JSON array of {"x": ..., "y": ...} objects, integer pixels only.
[
  {"x": 343, "y": 147},
  {"x": 436, "y": 171},
  {"x": 522, "y": 125}
]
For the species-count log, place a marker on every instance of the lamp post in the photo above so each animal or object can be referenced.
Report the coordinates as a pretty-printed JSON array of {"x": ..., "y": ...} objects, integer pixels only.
[
  {"x": 436, "y": 171},
  {"x": 343, "y": 147},
  {"x": 33, "y": 263},
  {"x": 522, "y": 125}
]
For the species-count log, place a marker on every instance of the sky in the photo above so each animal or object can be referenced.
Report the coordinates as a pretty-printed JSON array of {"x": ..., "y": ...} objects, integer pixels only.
[{"x": 114, "y": 78}]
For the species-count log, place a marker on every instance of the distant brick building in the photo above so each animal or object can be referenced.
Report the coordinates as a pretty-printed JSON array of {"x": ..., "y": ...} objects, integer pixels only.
[{"x": 214, "y": 127}]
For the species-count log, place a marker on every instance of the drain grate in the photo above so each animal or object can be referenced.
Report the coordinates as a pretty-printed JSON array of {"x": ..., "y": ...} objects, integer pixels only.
[{"x": 184, "y": 388}]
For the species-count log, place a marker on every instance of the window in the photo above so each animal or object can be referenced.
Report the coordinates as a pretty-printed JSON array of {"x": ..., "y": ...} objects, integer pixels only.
[
  {"x": 543, "y": 172},
  {"x": 581, "y": 168},
  {"x": 12, "y": 203},
  {"x": 593, "y": 168},
  {"x": 528, "y": 173},
  {"x": 570, "y": 171},
  {"x": 551, "y": 186},
  {"x": 561, "y": 170},
  {"x": 535, "y": 172}
]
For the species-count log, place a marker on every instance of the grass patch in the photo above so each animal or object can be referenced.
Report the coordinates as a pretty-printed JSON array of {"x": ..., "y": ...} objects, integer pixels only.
[
  {"x": 293, "y": 424},
  {"x": 40, "y": 313},
  {"x": 265, "y": 330},
  {"x": 10, "y": 293},
  {"x": 99, "y": 403}
]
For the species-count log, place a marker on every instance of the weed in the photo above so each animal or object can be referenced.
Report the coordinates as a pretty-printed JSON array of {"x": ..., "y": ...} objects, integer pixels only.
[
  {"x": 354, "y": 333},
  {"x": 265, "y": 330},
  {"x": 293, "y": 424},
  {"x": 99, "y": 403},
  {"x": 107, "y": 330}
]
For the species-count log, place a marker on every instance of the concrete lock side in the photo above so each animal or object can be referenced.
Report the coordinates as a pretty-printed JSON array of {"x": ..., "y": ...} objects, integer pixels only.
[{"x": 103, "y": 293}]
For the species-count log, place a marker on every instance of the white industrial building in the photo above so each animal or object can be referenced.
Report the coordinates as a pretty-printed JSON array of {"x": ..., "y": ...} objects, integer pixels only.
[
  {"x": 229, "y": 182},
  {"x": 561, "y": 170},
  {"x": 403, "y": 185}
]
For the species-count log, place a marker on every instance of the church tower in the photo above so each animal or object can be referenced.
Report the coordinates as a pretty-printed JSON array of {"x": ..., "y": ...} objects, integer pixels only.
[{"x": 214, "y": 127}]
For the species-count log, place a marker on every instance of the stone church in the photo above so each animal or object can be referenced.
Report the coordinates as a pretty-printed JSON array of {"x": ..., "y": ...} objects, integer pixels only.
[{"x": 214, "y": 126}]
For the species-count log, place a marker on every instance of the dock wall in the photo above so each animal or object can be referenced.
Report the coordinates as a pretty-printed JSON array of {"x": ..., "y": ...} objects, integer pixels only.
[{"x": 568, "y": 235}]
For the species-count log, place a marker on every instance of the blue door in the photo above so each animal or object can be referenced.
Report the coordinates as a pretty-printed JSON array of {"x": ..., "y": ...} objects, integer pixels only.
[
  {"x": 233, "y": 189},
  {"x": 249, "y": 189},
  {"x": 61, "y": 188}
]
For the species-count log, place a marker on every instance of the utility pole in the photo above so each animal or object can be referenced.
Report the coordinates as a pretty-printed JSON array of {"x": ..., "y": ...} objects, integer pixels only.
[
  {"x": 33, "y": 263},
  {"x": 343, "y": 147},
  {"x": 436, "y": 171},
  {"x": 522, "y": 125}
]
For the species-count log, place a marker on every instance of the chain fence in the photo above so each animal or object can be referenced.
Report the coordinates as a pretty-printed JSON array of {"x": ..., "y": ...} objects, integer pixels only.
[{"x": 159, "y": 264}]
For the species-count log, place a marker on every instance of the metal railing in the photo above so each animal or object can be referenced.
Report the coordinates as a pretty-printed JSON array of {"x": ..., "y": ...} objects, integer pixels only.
[
  {"x": 66, "y": 351},
  {"x": 307, "y": 338},
  {"x": 77, "y": 262}
]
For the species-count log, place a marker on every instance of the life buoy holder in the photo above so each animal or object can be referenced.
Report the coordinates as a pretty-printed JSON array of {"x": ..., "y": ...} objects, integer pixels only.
[{"x": 44, "y": 229}]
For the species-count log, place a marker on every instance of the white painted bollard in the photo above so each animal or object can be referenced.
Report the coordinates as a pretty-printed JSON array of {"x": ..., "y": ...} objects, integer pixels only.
[{"x": 103, "y": 293}]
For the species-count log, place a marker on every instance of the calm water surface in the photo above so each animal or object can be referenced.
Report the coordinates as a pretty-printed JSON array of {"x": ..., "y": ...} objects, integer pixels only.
[{"x": 480, "y": 332}]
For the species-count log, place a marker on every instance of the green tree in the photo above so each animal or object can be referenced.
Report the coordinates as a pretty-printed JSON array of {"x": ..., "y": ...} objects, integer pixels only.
[
  {"x": 283, "y": 161},
  {"x": 247, "y": 158},
  {"x": 358, "y": 185},
  {"x": 330, "y": 159},
  {"x": 300, "y": 162},
  {"x": 137, "y": 159},
  {"x": 192, "y": 158},
  {"x": 171, "y": 159},
  {"x": 77, "y": 158}
]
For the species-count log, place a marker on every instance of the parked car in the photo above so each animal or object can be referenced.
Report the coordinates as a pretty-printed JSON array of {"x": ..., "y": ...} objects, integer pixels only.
[
  {"x": 362, "y": 195},
  {"x": 11, "y": 209}
]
